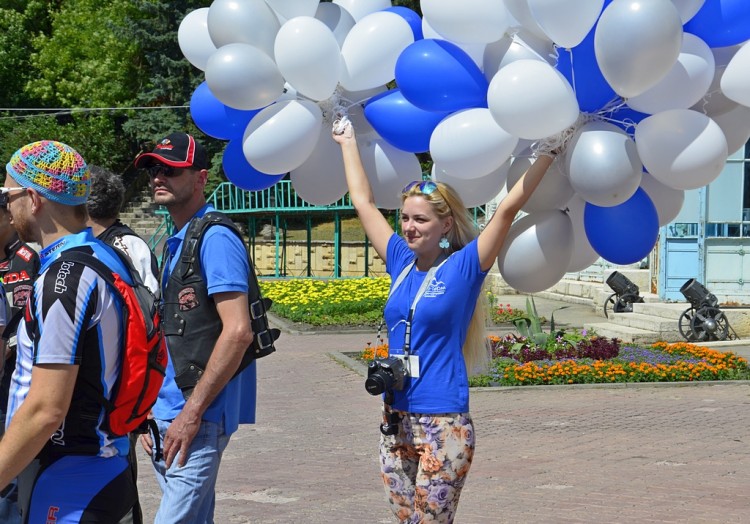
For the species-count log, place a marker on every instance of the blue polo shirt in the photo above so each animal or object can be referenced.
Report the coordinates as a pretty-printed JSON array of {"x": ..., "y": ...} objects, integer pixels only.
[{"x": 225, "y": 268}]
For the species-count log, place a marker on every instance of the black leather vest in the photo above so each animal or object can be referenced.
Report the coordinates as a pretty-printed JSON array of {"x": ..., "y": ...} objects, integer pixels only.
[{"x": 190, "y": 320}]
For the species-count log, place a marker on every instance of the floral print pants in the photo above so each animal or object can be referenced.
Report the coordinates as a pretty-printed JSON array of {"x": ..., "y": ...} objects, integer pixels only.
[{"x": 425, "y": 465}]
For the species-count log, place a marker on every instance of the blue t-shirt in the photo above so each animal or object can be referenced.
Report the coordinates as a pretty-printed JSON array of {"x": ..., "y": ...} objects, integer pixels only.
[
  {"x": 438, "y": 330},
  {"x": 225, "y": 269}
]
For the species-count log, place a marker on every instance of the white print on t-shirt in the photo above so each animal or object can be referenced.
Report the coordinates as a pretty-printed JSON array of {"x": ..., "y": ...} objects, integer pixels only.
[{"x": 436, "y": 288}]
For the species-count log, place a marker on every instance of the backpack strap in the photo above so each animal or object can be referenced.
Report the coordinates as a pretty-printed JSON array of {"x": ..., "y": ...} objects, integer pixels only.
[{"x": 264, "y": 336}]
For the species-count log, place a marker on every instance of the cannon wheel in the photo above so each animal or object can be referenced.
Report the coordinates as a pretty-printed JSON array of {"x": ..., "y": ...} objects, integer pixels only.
[
  {"x": 623, "y": 304},
  {"x": 686, "y": 325},
  {"x": 697, "y": 324}
]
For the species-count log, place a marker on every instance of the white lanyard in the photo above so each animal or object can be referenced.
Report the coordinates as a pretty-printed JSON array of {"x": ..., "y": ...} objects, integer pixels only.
[{"x": 420, "y": 292}]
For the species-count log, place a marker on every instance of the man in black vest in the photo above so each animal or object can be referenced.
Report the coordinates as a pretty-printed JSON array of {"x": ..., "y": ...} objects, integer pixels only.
[
  {"x": 206, "y": 317},
  {"x": 19, "y": 267}
]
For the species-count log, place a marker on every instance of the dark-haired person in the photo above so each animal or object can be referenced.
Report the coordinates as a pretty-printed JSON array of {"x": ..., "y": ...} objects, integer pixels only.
[
  {"x": 69, "y": 347},
  {"x": 104, "y": 203},
  {"x": 437, "y": 267},
  {"x": 205, "y": 317}
]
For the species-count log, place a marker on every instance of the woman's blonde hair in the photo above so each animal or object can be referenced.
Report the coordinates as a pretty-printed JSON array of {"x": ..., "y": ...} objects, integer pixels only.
[{"x": 446, "y": 202}]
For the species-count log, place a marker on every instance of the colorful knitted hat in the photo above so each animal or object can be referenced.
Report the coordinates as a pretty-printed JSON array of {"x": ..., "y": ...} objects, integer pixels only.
[{"x": 54, "y": 169}]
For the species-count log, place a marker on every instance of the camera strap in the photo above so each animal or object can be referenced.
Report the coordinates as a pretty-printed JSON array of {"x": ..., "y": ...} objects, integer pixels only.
[{"x": 425, "y": 284}]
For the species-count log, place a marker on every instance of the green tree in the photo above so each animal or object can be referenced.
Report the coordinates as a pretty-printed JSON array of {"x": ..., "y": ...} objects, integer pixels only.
[{"x": 85, "y": 61}]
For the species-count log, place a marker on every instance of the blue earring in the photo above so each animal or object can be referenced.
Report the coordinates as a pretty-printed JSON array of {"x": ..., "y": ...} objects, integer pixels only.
[{"x": 444, "y": 243}]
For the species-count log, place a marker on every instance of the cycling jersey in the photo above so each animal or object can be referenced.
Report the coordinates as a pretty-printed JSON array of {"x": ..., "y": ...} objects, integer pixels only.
[{"x": 74, "y": 318}]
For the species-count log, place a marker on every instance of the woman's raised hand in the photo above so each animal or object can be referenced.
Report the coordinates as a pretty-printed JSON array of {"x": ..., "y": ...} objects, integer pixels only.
[{"x": 342, "y": 130}]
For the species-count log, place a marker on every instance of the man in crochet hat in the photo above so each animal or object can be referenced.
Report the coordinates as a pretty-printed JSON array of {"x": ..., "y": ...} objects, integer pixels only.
[
  {"x": 68, "y": 352},
  {"x": 208, "y": 329}
]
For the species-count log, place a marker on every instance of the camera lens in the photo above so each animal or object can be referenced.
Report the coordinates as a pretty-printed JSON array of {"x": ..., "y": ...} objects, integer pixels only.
[{"x": 375, "y": 384}]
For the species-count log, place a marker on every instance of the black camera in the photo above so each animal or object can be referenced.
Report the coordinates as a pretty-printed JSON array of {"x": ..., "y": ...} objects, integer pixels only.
[{"x": 385, "y": 374}]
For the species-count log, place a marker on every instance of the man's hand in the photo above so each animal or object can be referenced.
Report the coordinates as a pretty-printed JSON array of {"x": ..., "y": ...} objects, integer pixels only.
[{"x": 179, "y": 436}]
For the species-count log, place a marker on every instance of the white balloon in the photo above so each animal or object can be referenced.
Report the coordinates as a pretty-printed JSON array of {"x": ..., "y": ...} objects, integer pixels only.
[
  {"x": 475, "y": 51},
  {"x": 282, "y": 136},
  {"x": 531, "y": 99},
  {"x": 388, "y": 170},
  {"x": 603, "y": 164},
  {"x": 537, "y": 251},
  {"x": 477, "y": 191},
  {"x": 714, "y": 102},
  {"x": 371, "y": 49},
  {"x": 289, "y": 93},
  {"x": 361, "y": 8},
  {"x": 681, "y": 148},
  {"x": 243, "y": 21},
  {"x": 554, "y": 190},
  {"x": 469, "y": 144},
  {"x": 468, "y": 21},
  {"x": 511, "y": 49},
  {"x": 243, "y": 77},
  {"x": 667, "y": 200},
  {"x": 583, "y": 254},
  {"x": 309, "y": 57},
  {"x": 685, "y": 84},
  {"x": 636, "y": 43},
  {"x": 288, "y": 9},
  {"x": 338, "y": 20},
  {"x": 688, "y": 8},
  {"x": 735, "y": 83},
  {"x": 194, "y": 40},
  {"x": 735, "y": 124},
  {"x": 566, "y": 24},
  {"x": 520, "y": 12},
  {"x": 320, "y": 180}
]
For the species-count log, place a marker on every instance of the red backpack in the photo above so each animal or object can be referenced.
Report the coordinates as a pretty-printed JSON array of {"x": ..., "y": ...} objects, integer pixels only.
[{"x": 144, "y": 354}]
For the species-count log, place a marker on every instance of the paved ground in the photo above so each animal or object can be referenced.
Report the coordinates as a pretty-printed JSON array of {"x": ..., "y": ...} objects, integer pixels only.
[{"x": 546, "y": 454}]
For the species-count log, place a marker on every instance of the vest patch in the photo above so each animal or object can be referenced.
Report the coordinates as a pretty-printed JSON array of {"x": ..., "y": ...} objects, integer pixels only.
[{"x": 187, "y": 299}]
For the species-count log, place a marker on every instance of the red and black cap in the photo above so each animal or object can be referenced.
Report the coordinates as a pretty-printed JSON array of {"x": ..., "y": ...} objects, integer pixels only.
[{"x": 176, "y": 150}]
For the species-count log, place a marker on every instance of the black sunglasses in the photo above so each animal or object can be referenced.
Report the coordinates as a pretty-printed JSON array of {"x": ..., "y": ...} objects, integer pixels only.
[{"x": 156, "y": 170}]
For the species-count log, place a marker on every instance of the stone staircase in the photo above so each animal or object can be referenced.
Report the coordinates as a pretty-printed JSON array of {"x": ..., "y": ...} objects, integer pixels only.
[
  {"x": 648, "y": 323},
  {"x": 139, "y": 214}
]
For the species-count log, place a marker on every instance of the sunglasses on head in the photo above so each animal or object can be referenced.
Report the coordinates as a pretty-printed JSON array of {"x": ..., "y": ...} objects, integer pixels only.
[
  {"x": 162, "y": 170},
  {"x": 5, "y": 194},
  {"x": 426, "y": 187}
]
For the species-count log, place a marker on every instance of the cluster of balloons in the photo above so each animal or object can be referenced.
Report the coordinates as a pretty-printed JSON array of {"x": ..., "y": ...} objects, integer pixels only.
[{"x": 656, "y": 93}]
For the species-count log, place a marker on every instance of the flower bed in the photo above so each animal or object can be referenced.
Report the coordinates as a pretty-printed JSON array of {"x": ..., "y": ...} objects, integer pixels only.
[
  {"x": 599, "y": 360},
  {"x": 355, "y": 301}
]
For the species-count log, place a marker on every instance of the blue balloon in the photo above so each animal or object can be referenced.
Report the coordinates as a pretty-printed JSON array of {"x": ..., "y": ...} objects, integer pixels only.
[
  {"x": 240, "y": 173},
  {"x": 622, "y": 234},
  {"x": 214, "y": 118},
  {"x": 721, "y": 23},
  {"x": 437, "y": 75},
  {"x": 411, "y": 17},
  {"x": 580, "y": 67},
  {"x": 401, "y": 123}
]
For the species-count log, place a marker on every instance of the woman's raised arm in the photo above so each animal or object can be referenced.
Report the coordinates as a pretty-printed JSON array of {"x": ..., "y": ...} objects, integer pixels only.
[
  {"x": 377, "y": 228},
  {"x": 493, "y": 236}
]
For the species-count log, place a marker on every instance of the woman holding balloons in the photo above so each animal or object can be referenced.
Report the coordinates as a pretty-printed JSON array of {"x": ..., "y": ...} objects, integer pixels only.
[{"x": 436, "y": 330}]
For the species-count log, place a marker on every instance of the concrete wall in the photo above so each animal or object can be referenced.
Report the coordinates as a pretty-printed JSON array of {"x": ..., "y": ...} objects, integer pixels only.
[{"x": 321, "y": 262}]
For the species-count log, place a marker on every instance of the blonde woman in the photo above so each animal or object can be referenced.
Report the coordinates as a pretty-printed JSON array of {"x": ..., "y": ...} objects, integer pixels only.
[{"x": 427, "y": 443}]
